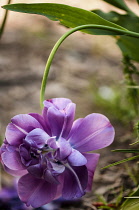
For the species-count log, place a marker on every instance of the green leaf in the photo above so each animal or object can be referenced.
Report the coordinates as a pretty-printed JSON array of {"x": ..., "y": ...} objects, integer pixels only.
[
  {"x": 125, "y": 20},
  {"x": 129, "y": 46},
  {"x": 119, "y": 3},
  {"x": 136, "y": 142},
  {"x": 131, "y": 203},
  {"x": 127, "y": 150},
  {"x": 67, "y": 15},
  {"x": 138, "y": 1},
  {"x": 121, "y": 161}
]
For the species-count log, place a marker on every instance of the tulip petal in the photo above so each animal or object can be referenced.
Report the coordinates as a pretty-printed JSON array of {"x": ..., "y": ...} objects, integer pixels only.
[
  {"x": 60, "y": 186},
  {"x": 69, "y": 117},
  {"x": 52, "y": 143},
  {"x": 75, "y": 126},
  {"x": 13, "y": 135},
  {"x": 64, "y": 149},
  {"x": 36, "y": 170},
  {"x": 56, "y": 121},
  {"x": 25, "y": 122},
  {"x": 38, "y": 137},
  {"x": 75, "y": 182},
  {"x": 42, "y": 121},
  {"x": 15, "y": 172},
  {"x": 76, "y": 158},
  {"x": 59, "y": 103},
  {"x": 57, "y": 168},
  {"x": 92, "y": 161},
  {"x": 12, "y": 160},
  {"x": 49, "y": 177},
  {"x": 35, "y": 192},
  {"x": 94, "y": 132}
]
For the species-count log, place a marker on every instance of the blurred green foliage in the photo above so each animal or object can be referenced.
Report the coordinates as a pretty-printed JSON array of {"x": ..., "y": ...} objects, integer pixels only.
[{"x": 129, "y": 46}]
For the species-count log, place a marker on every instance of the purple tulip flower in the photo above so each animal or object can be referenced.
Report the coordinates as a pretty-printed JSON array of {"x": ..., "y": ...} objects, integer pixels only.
[{"x": 48, "y": 151}]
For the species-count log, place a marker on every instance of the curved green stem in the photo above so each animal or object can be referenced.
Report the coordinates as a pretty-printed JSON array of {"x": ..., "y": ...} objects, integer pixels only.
[
  {"x": 4, "y": 20},
  {"x": 59, "y": 42}
]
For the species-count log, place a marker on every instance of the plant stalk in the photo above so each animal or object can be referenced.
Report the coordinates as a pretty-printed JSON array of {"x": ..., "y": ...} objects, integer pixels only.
[
  {"x": 4, "y": 20},
  {"x": 59, "y": 42}
]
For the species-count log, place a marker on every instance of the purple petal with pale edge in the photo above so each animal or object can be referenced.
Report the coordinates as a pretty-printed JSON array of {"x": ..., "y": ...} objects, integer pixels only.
[
  {"x": 35, "y": 170},
  {"x": 57, "y": 168},
  {"x": 49, "y": 177},
  {"x": 56, "y": 121},
  {"x": 59, "y": 103},
  {"x": 92, "y": 161},
  {"x": 7, "y": 147},
  {"x": 42, "y": 121},
  {"x": 69, "y": 117},
  {"x": 24, "y": 152},
  {"x": 25, "y": 122},
  {"x": 60, "y": 186},
  {"x": 25, "y": 155},
  {"x": 64, "y": 149},
  {"x": 71, "y": 187},
  {"x": 76, "y": 158},
  {"x": 12, "y": 160},
  {"x": 13, "y": 135},
  {"x": 52, "y": 143},
  {"x": 94, "y": 132},
  {"x": 15, "y": 172},
  {"x": 35, "y": 192},
  {"x": 37, "y": 136},
  {"x": 75, "y": 126}
]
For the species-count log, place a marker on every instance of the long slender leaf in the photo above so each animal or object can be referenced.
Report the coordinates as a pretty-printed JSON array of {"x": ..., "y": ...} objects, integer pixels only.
[
  {"x": 132, "y": 202},
  {"x": 127, "y": 150},
  {"x": 67, "y": 15},
  {"x": 121, "y": 161},
  {"x": 120, "y": 4},
  {"x": 136, "y": 142},
  {"x": 128, "y": 45},
  {"x": 138, "y": 1}
]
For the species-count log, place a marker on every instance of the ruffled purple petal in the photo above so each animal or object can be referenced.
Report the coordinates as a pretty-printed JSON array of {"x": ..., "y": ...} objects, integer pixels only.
[
  {"x": 60, "y": 186},
  {"x": 17, "y": 173},
  {"x": 49, "y": 177},
  {"x": 12, "y": 160},
  {"x": 75, "y": 182},
  {"x": 25, "y": 123},
  {"x": 36, "y": 170},
  {"x": 57, "y": 168},
  {"x": 56, "y": 121},
  {"x": 13, "y": 135},
  {"x": 69, "y": 117},
  {"x": 59, "y": 103},
  {"x": 76, "y": 158},
  {"x": 64, "y": 149},
  {"x": 52, "y": 143},
  {"x": 36, "y": 192},
  {"x": 37, "y": 137},
  {"x": 42, "y": 121},
  {"x": 94, "y": 132},
  {"x": 25, "y": 155},
  {"x": 75, "y": 126},
  {"x": 6, "y": 147},
  {"x": 92, "y": 161}
]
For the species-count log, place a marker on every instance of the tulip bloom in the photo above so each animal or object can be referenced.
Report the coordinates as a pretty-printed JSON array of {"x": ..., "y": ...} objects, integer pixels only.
[{"x": 48, "y": 151}]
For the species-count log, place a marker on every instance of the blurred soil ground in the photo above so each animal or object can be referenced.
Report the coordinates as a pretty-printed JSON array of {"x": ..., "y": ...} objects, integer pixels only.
[{"x": 81, "y": 61}]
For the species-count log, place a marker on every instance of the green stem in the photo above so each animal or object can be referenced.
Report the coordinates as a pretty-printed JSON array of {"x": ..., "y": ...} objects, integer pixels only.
[
  {"x": 59, "y": 42},
  {"x": 4, "y": 20}
]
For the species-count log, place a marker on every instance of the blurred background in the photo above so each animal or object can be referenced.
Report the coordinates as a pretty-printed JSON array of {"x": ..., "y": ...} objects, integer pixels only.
[{"x": 87, "y": 69}]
